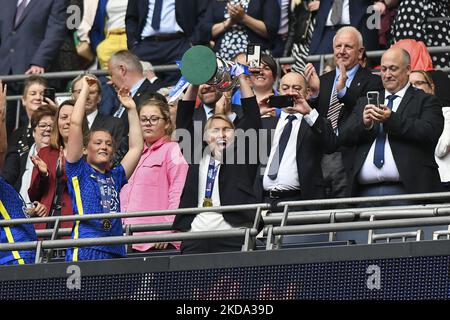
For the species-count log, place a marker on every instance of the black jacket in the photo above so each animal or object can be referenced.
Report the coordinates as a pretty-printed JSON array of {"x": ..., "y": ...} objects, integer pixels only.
[
  {"x": 235, "y": 180},
  {"x": 413, "y": 130}
]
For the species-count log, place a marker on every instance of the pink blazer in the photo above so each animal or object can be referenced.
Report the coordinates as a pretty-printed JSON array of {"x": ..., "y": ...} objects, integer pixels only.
[{"x": 156, "y": 184}]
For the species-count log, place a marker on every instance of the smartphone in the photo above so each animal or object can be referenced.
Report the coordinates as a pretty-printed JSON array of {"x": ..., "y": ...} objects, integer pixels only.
[
  {"x": 50, "y": 93},
  {"x": 373, "y": 97},
  {"x": 281, "y": 101},
  {"x": 253, "y": 55}
]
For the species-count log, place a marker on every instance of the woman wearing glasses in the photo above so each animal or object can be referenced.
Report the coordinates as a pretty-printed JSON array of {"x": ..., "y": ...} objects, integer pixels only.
[
  {"x": 49, "y": 180},
  {"x": 19, "y": 166},
  {"x": 422, "y": 80},
  {"x": 159, "y": 178}
]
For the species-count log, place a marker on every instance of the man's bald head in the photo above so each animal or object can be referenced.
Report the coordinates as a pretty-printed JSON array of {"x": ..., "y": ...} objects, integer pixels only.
[
  {"x": 293, "y": 82},
  {"x": 395, "y": 69}
]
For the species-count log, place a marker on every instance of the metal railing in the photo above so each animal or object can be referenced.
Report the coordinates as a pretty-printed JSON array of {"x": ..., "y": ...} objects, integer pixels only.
[
  {"x": 307, "y": 222},
  {"x": 173, "y": 67}
]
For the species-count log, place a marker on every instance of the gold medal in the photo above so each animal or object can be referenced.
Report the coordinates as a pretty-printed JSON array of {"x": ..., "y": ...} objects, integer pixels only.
[
  {"x": 106, "y": 223},
  {"x": 207, "y": 202}
]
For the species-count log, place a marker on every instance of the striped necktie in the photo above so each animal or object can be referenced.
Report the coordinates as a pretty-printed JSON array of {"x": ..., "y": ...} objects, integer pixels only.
[{"x": 334, "y": 109}]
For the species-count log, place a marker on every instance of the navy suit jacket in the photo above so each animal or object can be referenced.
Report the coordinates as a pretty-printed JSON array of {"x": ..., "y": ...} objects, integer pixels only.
[
  {"x": 358, "y": 19},
  {"x": 188, "y": 14},
  {"x": 37, "y": 38},
  {"x": 414, "y": 130}
]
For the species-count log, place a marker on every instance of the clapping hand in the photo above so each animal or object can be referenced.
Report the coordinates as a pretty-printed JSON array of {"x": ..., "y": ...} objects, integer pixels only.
[
  {"x": 313, "y": 79},
  {"x": 236, "y": 12},
  {"x": 341, "y": 82},
  {"x": 40, "y": 165},
  {"x": 125, "y": 98}
]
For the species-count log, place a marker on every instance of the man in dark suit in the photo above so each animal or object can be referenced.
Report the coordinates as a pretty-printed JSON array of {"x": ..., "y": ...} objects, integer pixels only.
[
  {"x": 231, "y": 179},
  {"x": 295, "y": 146},
  {"x": 335, "y": 94},
  {"x": 31, "y": 33},
  {"x": 161, "y": 31},
  {"x": 333, "y": 14},
  {"x": 209, "y": 97},
  {"x": 394, "y": 142},
  {"x": 126, "y": 71}
]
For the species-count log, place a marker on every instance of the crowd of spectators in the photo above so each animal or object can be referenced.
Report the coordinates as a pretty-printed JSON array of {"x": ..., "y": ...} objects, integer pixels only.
[{"x": 112, "y": 145}]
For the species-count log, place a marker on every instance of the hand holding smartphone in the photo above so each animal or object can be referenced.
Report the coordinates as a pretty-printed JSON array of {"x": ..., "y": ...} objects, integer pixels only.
[{"x": 373, "y": 97}]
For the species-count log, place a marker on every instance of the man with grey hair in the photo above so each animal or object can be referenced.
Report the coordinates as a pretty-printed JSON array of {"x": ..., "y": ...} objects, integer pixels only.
[
  {"x": 395, "y": 141},
  {"x": 126, "y": 70},
  {"x": 334, "y": 95}
]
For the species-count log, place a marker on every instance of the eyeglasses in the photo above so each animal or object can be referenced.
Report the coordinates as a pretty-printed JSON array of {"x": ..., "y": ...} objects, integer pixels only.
[
  {"x": 419, "y": 83},
  {"x": 152, "y": 120},
  {"x": 43, "y": 126}
]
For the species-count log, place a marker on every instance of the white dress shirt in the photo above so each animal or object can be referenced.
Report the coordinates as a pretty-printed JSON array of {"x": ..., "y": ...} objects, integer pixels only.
[
  {"x": 91, "y": 117},
  {"x": 116, "y": 10},
  {"x": 345, "y": 19},
  {"x": 388, "y": 172},
  {"x": 168, "y": 19},
  {"x": 208, "y": 221},
  {"x": 287, "y": 178},
  {"x": 27, "y": 175}
]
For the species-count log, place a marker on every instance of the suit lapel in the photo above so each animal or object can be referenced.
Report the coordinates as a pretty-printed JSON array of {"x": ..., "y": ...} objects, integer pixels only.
[
  {"x": 301, "y": 133},
  {"x": 356, "y": 82},
  {"x": 405, "y": 100},
  {"x": 326, "y": 86}
]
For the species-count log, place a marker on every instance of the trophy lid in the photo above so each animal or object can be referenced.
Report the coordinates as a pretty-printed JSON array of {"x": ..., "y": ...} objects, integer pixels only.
[{"x": 198, "y": 65}]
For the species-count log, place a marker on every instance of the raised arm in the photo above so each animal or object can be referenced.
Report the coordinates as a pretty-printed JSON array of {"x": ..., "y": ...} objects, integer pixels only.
[
  {"x": 75, "y": 143},
  {"x": 135, "y": 138}
]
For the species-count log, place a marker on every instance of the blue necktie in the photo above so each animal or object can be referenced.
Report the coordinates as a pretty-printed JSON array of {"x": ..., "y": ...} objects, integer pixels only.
[
  {"x": 378, "y": 155},
  {"x": 156, "y": 19},
  {"x": 284, "y": 138}
]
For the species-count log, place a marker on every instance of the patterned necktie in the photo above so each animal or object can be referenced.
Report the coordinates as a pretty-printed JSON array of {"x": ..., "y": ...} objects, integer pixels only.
[
  {"x": 378, "y": 155},
  {"x": 336, "y": 11},
  {"x": 278, "y": 156},
  {"x": 19, "y": 12},
  {"x": 156, "y": 18},
  {"x": 334, "y": 109}
]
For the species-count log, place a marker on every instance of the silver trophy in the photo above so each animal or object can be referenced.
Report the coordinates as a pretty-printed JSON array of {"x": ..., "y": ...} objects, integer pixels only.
[{"x": 200, "y": 65}]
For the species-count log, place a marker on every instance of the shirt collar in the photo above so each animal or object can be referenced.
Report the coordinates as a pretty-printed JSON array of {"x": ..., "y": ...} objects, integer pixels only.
[
  {"x": 155, "y": 145},
  {"x": 284, "y": 115},
  {"x": 207, "y": 109},
  {"x": 399, "y": 93},
  {"x": 136, "y": 86},
  {"x": 91, "y": 117}
]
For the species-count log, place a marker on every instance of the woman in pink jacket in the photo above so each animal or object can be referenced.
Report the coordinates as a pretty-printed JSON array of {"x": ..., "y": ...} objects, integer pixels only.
[{"x": 159, "y": 178}]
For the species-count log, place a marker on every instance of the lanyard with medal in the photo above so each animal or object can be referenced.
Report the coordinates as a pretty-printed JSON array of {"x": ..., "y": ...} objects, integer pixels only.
[
  {"x": 106, "y": 187},
  {"x": 210, "y": 178}
]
